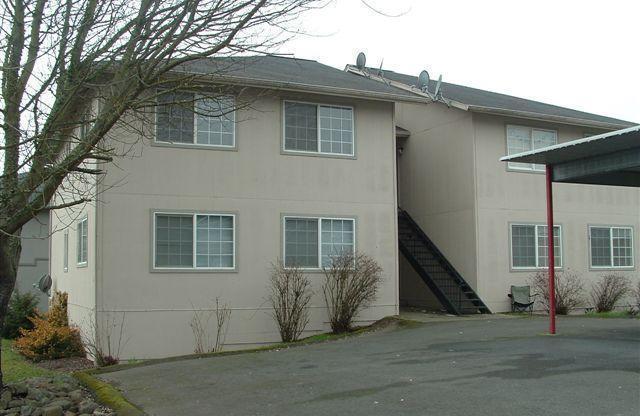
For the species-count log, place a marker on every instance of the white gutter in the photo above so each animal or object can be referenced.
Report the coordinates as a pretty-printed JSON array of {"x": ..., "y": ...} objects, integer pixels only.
[{"x": 546, "y": 117}]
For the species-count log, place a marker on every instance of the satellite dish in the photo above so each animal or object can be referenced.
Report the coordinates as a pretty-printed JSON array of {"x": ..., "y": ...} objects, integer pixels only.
[
  {"x": 361, "y": 60},
  {"x": 423, "y": 81},
  {"x": 44, "y": 284},
  {"x": 438, "y": 85}
]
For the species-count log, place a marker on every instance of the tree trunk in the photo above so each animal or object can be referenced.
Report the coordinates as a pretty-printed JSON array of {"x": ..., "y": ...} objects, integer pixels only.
[{"x": 10, "y": 248}]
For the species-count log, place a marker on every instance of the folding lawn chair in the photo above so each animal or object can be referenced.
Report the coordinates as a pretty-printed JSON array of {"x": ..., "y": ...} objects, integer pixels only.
[{"x": 522, "y": 299}]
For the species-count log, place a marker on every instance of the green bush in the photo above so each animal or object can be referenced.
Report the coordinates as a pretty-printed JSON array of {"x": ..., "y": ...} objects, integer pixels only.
[{"x": 22, "y": 306}]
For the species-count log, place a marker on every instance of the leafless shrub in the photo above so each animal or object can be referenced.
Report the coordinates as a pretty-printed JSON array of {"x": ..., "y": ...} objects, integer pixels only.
[
  {"x": 569, "y": 290},
  {"x": 105, "y": 342},
  {"x": 607, "y": 291},
  {"x": 201, "y": 324},
  {"x": 635, "y": 291},
  {"x": 351, "y": 283},
  {"x": 290, "y": 294}
]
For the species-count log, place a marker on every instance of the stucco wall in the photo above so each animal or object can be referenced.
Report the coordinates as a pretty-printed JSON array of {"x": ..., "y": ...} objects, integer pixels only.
[
  {"x": 436, "y": 187},
  {"x": 259, "y": 184},
  {"x": 34, "y": 258},
  {"x": 79, "y": 280},
  {"x": 506, "y": 196}
]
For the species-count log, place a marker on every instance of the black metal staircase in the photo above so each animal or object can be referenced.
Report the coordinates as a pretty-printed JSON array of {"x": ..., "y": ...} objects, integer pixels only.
[{"x": 453, "y": 292}]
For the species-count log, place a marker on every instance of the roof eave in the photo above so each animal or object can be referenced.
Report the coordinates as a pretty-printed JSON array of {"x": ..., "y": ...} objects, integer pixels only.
[
  {"x": 300, "y": 87},
  {"x": 548, "y": 118}
]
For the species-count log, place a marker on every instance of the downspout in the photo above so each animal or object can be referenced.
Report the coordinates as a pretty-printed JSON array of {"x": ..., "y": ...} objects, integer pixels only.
[{"x": 551, "y": 253}]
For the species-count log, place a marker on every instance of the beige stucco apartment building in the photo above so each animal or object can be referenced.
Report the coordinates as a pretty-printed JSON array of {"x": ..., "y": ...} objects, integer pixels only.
[
  {"x": 312, "y": 161},
  {"x": 488, "y": 217},
  {"x": 205, "y": 205}
]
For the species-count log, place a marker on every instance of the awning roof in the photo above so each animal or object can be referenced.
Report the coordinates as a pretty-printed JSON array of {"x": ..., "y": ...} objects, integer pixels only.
[{"x": 606, "y": 159}]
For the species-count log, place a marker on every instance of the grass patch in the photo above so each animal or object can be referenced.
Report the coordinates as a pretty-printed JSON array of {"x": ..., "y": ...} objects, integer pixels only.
[
  {"x": 17, "y": 368},
  {"x": 610, "y": 315},
  {"x": 108, "y": 395}
]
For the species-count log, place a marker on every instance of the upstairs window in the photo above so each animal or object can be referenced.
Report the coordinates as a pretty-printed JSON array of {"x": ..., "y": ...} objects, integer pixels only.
[
  {"x": 611, "y": 247},
  {"x": 316, "y": 128},
  {"x": 82, "y": 242},
  {"x": 529, "y": 248},
  {"x": 523, "y": 139},
  {"x": 188, "y": 118}
]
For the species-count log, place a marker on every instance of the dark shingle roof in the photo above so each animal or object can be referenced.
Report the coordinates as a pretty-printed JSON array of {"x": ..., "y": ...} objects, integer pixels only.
[
  {"x": 295, "y": 74},
  {"x": 481, "y": 99}
]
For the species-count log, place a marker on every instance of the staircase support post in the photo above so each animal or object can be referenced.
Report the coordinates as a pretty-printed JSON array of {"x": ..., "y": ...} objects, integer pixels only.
[{"x": 551, "y": 253}]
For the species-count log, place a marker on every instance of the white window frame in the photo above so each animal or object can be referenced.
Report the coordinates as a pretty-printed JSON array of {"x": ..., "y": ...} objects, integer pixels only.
[
  {"x": 319, "y": 220},
  {"x": 195, "y": 126},
  {"x": 194, "y": 216},
  {"x": 84, "y": 223},
  {"x": 318, "y": 147},
  {"x": 611, "y": 266},
  {"x": 510, "y": 165},
  {"x": 65, "y": 251},
  {"x": 536, "y": 237}
]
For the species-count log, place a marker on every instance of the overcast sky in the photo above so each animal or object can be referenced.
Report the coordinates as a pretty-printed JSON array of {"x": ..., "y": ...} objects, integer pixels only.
[{"x": 576, "y": 54}]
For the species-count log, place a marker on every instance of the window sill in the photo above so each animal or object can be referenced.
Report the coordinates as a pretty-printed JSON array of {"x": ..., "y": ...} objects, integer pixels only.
[
  {"x": 317, "y": 154},
  {"x": 233, "y": 148},
  {"x": 533, "y": 269},
  {"x": 192, "y": 271}
]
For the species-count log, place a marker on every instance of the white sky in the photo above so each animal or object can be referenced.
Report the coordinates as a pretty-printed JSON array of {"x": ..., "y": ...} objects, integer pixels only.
[{"x": 577, "y": 54}]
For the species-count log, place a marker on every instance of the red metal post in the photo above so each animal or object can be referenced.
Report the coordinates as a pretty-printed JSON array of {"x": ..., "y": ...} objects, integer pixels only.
[{"x": 551, "y": 253}]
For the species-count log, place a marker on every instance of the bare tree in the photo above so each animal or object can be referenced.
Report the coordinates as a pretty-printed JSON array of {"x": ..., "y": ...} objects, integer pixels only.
[
  {"x": 351, "y": 283},
  {"x": 72, "y": 68},
  {"x": 608, "y": 290},
  {"x": 290, "y": 295},
  {"x": 200, "y": 325}
]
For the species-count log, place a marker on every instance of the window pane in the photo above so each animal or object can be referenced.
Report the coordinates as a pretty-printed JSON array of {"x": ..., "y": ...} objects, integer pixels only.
[
  {"x": 600, "y": 247},
  {"x": 301, "y": 242},
  {"x": 518, "y": 141},
  {"x": 543, "y": 138},
  {"x": 336, "y": 130},
  {"x": 543, "y": 247},
  {"x": 214, "y": 241},
  {"x": 621, "y": 241},
  {"x": 523, "y": 245},
  {"x": 215, "y": 120},
  {"x": 300, "y": 127},
  {"x": 337, "y": 237},
  {"x": 66, "y": 252},
  {"x": 82, "y": 241},
  {"x": 174, "y": 240},
  {"x": 174, "y": 117}
]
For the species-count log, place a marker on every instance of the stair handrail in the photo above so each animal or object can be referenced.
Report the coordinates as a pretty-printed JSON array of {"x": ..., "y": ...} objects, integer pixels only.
[{"x": 441, "y": 257}]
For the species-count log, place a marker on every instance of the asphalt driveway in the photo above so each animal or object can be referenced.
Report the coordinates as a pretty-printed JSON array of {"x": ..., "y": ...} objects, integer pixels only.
[{"x": 478, "y": 367}]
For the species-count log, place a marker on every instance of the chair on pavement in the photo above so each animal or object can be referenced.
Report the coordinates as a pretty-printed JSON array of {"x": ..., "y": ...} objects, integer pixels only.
[{"x": 522, "y": 299}]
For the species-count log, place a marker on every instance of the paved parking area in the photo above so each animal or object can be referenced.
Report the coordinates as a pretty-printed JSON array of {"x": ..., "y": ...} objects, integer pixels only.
[{"x": 477, "y": 367}]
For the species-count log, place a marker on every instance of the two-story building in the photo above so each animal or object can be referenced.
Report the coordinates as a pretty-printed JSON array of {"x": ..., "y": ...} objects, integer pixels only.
[
  {"x": 202, "y": 206},
  {"x": 486, "y": 217}
]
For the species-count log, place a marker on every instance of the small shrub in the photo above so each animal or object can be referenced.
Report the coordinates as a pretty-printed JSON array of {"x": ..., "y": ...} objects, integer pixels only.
[
  {"x": 200, "y": 325},
  {"x": 51, "y": 337},
  {"x": 21, "y": 308},
  {"x": 290, "y": 296},
  {"x": 569, "y": 290},
  {"x": 607, "y": 291},
  {"x": 104, "y": 342},
  {"x": 351, "y": 283},
  {"x": 635, "y": 309}
]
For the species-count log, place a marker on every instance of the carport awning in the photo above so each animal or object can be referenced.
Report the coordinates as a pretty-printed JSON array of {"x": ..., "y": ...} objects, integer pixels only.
[{"x": 606, "y": 159}]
